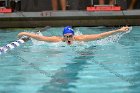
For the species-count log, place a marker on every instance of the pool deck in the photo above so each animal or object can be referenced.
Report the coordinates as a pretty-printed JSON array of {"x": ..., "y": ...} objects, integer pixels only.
[{"x": 73, "y": 18}]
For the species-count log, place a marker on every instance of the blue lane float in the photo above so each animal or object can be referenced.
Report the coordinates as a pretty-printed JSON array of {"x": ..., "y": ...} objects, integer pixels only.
[{"x": 14, "y": 44}]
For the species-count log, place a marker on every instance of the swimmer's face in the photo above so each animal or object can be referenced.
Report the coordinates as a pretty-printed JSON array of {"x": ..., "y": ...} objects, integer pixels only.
[{"x": 68, "y": 38}]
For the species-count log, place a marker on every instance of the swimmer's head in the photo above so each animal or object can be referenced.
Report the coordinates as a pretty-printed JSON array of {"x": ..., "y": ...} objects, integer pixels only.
[
  {"x": 68, "y": 30},
  {"x": 68, "y": 34}
]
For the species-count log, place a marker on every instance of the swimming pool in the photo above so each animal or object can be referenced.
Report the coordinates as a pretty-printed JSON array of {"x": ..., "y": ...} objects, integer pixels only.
[{"x": 110, "y": 65}]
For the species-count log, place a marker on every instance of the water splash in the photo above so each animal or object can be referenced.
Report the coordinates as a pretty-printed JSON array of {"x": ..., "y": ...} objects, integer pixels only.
[
  {"x": 77, "y": 32},
  {"x": 112, "y": 38},
  {"x": 36, "y": 42}
]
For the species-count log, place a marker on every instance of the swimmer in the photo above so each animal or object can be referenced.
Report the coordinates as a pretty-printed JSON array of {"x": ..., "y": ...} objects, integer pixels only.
[{"x": 69, "y": 37}]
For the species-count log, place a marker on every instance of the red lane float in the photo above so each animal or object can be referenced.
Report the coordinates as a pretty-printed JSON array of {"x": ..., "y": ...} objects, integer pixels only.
[
  {"x": 103, "y": 8},
  {"x": 5, "y": 10}
]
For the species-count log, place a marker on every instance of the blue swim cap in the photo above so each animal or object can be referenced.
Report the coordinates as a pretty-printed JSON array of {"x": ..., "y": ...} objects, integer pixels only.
[{"x": 68, "y": 29}]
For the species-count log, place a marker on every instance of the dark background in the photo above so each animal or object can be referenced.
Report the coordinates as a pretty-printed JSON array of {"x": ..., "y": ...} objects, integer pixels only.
[{"x": 42, "y": 5}]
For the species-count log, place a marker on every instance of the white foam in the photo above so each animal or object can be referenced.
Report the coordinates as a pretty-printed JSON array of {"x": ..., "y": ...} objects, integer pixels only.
[
  {"x": 36, "y": 42},
  {"x": 1, "y": 50},
  {"x": 10, "y": 46},
  {"x": 112, "y": 38},
  {"x": 21, "y": 41},
  {"x": 16, "y": 43},
  {"x": 4, "y": 49}
]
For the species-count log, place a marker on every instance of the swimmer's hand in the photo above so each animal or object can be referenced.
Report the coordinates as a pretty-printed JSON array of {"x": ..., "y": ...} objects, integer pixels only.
[{"x": 124, "y": 29}]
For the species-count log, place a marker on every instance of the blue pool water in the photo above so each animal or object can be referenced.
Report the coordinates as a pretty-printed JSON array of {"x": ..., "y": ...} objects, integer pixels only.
[{"x": 110, "y": 65}]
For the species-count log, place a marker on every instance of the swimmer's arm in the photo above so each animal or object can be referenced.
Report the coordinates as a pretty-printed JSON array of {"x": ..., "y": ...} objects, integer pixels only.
[
  {"x": 40, "y": 38},
  {"x": 106, "y": 34},
  {"x": 102, "y": 35}
]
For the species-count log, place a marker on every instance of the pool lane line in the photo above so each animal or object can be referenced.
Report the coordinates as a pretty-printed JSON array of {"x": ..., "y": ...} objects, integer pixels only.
[
  {"x": 19, "y": 42},
  {"x": 114, "y": 72},
  {"x": 32, "y": 65}
]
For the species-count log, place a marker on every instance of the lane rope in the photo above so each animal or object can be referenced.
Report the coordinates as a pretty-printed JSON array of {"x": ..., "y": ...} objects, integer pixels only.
[
  {"x": 14, "y": 44},
  {"x": 18, "y": 42}
]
